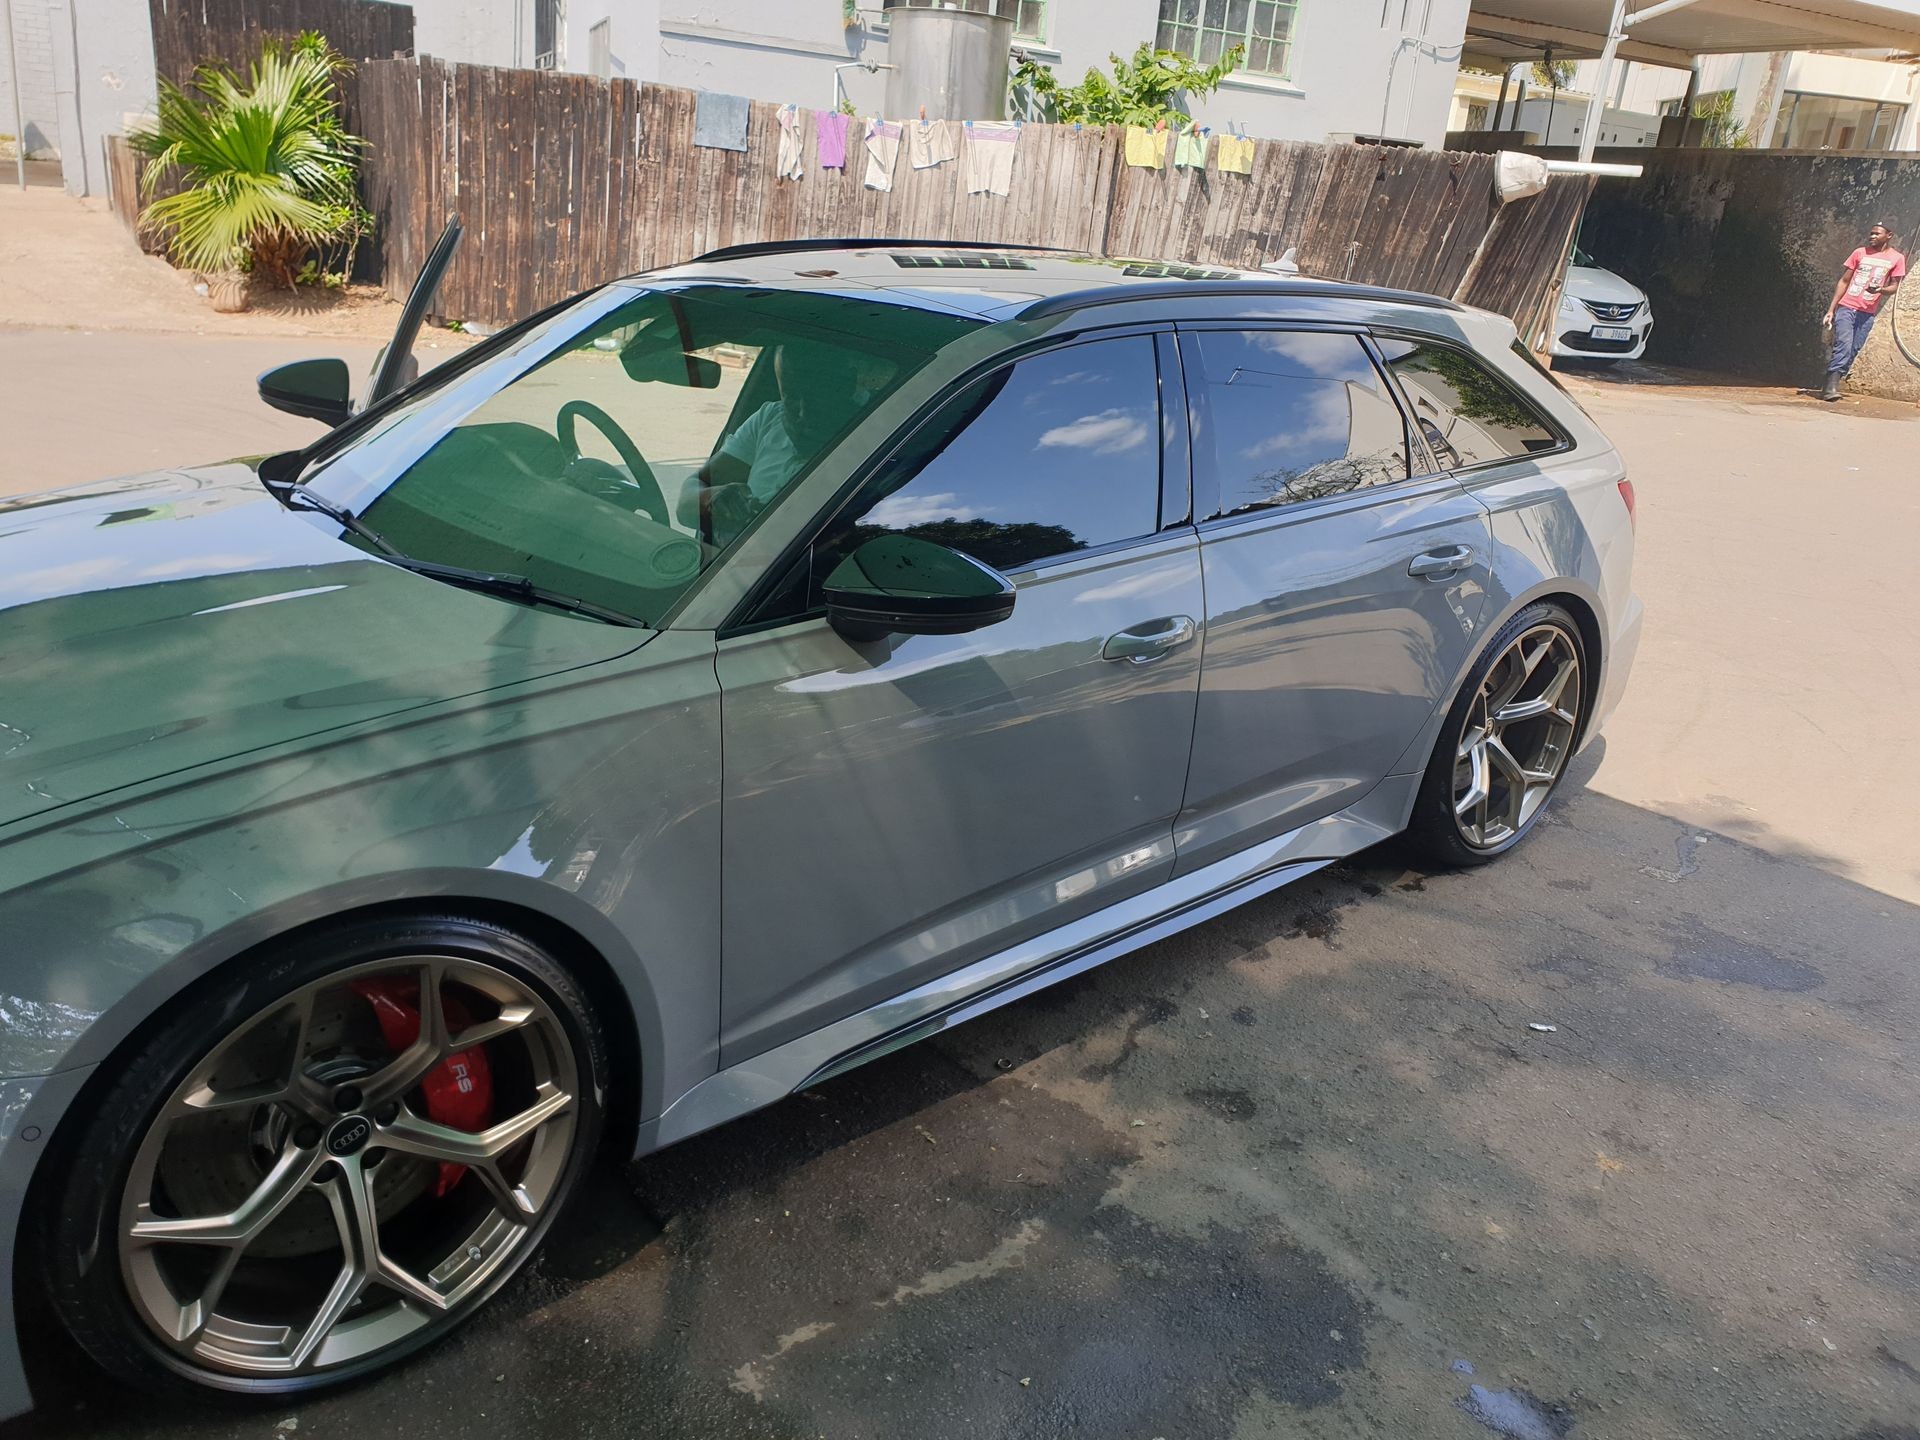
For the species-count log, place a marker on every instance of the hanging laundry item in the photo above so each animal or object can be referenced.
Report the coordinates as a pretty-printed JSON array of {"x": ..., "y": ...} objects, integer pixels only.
[
  {"x": 990, "y": 145},
  {"x": 787, "y": 167},
  {"x": 1236, "y": 155},
  {"x": 720, "y": 121},
  {"x": 1190, "y": 148},
  {"x": 1146, "y": 148},
  {"x": 929, "y": 143},
  {"x": 883, "y": 153},
  {"x": 830, "y": 126}
]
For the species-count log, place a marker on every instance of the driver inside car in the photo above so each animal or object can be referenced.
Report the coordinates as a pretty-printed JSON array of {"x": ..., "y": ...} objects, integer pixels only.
[{"x": 820, "y": 391}]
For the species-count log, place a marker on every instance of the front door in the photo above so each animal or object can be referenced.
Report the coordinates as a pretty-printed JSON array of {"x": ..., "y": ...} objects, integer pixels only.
[
  {"x": 1344, "y": 589},
  {"x": 897, "y": 809}
]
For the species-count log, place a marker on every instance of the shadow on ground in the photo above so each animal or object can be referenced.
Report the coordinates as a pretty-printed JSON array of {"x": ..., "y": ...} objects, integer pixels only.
[{"x": 1310, "y": 1169}]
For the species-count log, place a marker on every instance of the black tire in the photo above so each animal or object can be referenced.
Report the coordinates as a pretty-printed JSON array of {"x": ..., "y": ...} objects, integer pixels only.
[
  {"x": 1433, "y": 836},
  {"x": 78, "y": 1220}
]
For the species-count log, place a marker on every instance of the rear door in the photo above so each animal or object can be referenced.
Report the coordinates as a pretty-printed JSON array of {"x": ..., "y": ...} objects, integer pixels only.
[
  {"x": 1345, "y": 581},
  {"x": 895, "y": 810}
]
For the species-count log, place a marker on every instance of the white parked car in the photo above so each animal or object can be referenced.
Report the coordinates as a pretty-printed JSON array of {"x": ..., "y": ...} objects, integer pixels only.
[{"x": 1602, "y": 317}]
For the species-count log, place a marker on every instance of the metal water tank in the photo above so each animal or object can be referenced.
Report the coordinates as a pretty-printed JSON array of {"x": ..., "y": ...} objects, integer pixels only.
[{"x": 950, "y": 56}]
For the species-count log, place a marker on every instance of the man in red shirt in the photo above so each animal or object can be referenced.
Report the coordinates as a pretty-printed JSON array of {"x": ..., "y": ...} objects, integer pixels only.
[{"x": 1873, "y": 271}]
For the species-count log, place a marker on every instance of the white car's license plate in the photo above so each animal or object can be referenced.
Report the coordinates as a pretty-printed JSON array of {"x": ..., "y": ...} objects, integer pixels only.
[{"x": 1612, "y": 332}]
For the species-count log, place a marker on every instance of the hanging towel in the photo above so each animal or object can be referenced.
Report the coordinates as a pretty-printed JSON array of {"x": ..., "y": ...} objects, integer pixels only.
[
  {"x": 720, "y": 121},
  {"x": 1236, "y": 155},
  {"x": 831, "y": 128},
  {"x": 990, "y": 145},
  {"x": 883, "y": 153},
  {"x": 787, "y": 166},
  {"x": 1146, "y": 148},
  {"x": 929, "y": 143},
  {"x": 1190, "y": 148}
]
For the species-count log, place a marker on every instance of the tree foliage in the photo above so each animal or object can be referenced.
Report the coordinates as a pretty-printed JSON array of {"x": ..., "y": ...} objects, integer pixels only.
[
  {"x": 1143, "y": 90},
  {"x": 1555, "y": 76},
  {"x": 267, "y": 164}
]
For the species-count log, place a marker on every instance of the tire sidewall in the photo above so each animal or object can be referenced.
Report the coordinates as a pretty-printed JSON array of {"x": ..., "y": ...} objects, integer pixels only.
[{"x": 79, "y": 1222}]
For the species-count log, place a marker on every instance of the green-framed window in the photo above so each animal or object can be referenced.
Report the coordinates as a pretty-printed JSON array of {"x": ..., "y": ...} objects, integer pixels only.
[{"x": 1207, "y": 29}]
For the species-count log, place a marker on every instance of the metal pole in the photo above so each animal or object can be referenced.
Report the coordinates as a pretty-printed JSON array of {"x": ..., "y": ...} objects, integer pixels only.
[
  {"x": 1520, "y": 104},
  {"x": 1596, "y": 107},
  {"x": 19, "y": 125},
  {"x": 1499, "y": 106},
  {"x": 1553, "y": 97}
]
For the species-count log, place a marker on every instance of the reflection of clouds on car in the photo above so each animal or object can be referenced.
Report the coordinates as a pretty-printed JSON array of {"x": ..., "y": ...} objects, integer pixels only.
[
  {"x": 901, "y": 512},
  {"x": 1326, "y": 417},
  {"x": 1108, "y": 433}
]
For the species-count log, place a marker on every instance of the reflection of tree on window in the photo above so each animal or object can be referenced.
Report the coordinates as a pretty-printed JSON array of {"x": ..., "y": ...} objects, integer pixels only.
[
  {"x": 1468, "y": 414},
  {"x": 1477, "y": 395},
  {"x": 1003, "y": 546},
  {"x": 1334, "y": 477}
]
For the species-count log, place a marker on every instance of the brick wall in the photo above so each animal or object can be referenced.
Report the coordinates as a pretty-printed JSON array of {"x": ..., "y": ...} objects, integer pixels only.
[{"x": 33, "y": 42}]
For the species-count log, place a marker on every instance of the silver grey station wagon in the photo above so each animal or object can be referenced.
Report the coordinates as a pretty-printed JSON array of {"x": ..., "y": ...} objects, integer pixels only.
[{"x": 713, "y": 682}]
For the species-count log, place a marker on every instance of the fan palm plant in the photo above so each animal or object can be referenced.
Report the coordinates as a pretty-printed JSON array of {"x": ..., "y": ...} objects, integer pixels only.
[{"x": 267, "y": 167}]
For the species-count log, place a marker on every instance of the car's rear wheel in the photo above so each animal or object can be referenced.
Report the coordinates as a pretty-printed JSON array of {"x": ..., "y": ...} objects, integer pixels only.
[
  {"x": 1506, "y": 741},
  {"x": 329, "y": 1161}
]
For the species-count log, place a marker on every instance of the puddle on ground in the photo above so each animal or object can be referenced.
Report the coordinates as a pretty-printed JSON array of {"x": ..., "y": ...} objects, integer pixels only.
[
  {"x": 1517, "y": 1414},
  {"x": 1700, "y": 953}
]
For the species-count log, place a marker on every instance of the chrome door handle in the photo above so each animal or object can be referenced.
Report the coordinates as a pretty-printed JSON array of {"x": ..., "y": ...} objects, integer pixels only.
[
  {"x": 1146, "y": 643},
  {"x": 1436, "y": 563}
]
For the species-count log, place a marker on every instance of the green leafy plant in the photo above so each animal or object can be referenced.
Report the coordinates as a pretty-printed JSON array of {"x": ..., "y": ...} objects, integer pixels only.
[
  {"x": 1141, "y": 91},
  {"x": 267, "y": 165},
  {"x": 1722, "y": 131}
]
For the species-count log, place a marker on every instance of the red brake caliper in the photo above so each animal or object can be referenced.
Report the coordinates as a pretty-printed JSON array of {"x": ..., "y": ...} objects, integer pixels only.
[{"x": 459, "y": 1089}]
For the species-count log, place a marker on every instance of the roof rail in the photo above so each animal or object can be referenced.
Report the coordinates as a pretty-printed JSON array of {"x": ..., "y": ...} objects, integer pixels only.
[
  {"x": 1186, "y": 289},
  {"x": 783, "y": 247}
]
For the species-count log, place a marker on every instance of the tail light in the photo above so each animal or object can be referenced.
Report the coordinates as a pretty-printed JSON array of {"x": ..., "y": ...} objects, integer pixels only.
[{"x": 1626, "y": 495}]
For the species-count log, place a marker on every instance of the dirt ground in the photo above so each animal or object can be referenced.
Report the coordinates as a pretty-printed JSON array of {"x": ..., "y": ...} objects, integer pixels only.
[{"x": 1309, "y": 1170}]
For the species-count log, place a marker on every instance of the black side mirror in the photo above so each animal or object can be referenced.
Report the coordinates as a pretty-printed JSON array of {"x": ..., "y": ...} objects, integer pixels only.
[
  {"x": 897, "y": 585},
  {"x": 318, "y": 389}
]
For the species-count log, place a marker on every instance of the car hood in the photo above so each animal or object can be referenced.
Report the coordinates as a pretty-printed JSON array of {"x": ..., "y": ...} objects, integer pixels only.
[
  {"x": 159, "y": 622},
  {"x": 1590, "y": 282}
]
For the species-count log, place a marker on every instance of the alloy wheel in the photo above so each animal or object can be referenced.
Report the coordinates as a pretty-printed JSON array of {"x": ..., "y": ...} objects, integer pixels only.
[
  {"x": 1517, "y": 737},
  {"x": 296, "y": 1205}
]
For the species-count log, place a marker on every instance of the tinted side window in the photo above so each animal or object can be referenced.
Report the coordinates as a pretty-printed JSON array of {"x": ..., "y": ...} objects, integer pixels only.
[
  {"x": 1047, "y": 456},
  {"x": 1291, "y": 415},
  {"x": 1468, "y": 414}
]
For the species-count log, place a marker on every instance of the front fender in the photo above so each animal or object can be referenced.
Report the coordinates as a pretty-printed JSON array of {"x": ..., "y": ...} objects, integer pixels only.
[{"x": 591, "y": 800}]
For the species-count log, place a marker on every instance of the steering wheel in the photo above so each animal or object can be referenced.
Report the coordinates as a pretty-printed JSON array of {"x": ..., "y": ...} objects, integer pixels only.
[{"x": 645, "y": 487}]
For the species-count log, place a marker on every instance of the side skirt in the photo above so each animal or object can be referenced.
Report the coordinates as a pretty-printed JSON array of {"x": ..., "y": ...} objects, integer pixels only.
[{"x": 1179, "y": 904}]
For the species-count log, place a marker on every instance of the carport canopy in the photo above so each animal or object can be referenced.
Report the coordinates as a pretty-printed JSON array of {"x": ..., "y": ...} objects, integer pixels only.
[
  {"x": 1504, "y": 32},
  {"x": 1501, "y": 33}
]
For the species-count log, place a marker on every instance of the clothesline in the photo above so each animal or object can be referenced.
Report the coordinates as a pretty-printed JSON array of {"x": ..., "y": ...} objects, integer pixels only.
[{"x": 985, "y": 149}]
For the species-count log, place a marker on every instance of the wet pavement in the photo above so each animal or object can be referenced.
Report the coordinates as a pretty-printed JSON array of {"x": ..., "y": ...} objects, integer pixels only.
[{"x": 1308, "y": 1170}]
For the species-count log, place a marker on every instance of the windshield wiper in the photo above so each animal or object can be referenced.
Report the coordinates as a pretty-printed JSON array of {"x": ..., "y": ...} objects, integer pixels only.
[
  {"x": 514, "y": 587},
  {"x": 299, "y": 497},
  {"x": 487, "y": 582}
]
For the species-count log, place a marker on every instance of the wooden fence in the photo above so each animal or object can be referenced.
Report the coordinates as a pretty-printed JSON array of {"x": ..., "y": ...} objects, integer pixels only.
[
  {"x": 564, "y": 181},
  {"x": 190, "y": 33},
  {"x": 567, "y": 180}
]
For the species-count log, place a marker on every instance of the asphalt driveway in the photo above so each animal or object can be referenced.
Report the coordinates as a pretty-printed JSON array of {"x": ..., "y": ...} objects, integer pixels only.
[{"x": 1310, "y": 1170}]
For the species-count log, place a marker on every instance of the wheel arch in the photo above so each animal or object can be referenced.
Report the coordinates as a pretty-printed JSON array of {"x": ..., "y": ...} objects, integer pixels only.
[
  {"x": 1569, "y": 595},
  {"x": 623, "y": 1003}
]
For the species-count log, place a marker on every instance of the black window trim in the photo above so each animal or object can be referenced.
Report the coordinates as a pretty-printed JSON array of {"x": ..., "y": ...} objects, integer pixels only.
[
  {"x": 745, "y": 621},
  {"x": 1197, "y": 405},
  {"x": 1547, "y": 421}
]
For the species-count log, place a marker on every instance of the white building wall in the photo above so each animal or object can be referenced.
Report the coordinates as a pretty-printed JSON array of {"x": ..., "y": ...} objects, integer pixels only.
[
  {"x": 1359, "y": 67},
  {"x": 474, "y": 32},
  {"x": 104, "y": 82}
]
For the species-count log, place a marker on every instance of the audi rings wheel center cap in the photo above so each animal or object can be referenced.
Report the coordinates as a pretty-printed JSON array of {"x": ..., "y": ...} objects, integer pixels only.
[{"x": 347, "y": 1135}]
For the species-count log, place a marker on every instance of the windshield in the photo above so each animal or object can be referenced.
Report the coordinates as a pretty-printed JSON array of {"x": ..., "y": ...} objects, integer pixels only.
[{"x": 619, "y": 449}]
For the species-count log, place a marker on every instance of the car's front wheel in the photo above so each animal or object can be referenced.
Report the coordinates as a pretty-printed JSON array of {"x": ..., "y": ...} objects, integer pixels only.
[
  {"x": 1506, "y": 741},
  {"x": 328, "y": 1161}
]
